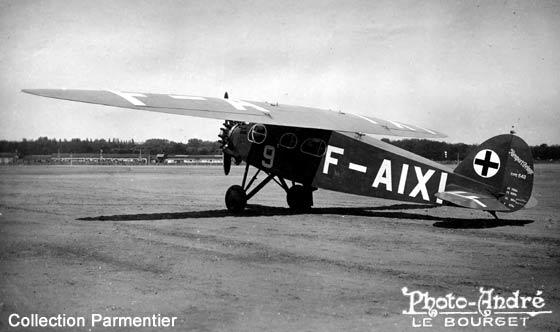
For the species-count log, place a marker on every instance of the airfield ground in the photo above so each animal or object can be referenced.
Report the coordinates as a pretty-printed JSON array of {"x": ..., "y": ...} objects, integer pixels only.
[{"x": 135, "y": 241}]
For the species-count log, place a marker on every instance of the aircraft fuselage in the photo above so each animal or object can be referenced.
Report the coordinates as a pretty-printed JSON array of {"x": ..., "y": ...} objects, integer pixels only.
[{"x": 350, "y": 163}]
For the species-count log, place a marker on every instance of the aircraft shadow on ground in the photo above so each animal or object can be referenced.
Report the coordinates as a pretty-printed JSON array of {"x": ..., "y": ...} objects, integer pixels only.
[{"x": 256, "y": 210}]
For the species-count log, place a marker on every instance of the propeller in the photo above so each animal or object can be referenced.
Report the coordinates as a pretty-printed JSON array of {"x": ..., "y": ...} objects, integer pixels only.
[
  {"x": 227, "y": 163},
  {"x": 224, "y": 141}
]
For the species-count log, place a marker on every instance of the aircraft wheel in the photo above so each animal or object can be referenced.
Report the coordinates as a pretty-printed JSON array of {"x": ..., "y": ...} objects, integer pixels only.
[
  {"x": 299, "y": 198},
  {"x": 236, "y": 199}
]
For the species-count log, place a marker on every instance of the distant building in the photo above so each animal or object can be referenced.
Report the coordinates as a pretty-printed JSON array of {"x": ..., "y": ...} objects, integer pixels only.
[
  {"x": 111, "y": 159},
  {"x": 98, "y": 159},
  {"x": 37, "y": 159},
  {"x": 194, "y": 160},
  {"x": 160, "y": 157},
  {"x": 7, "y": 158}
]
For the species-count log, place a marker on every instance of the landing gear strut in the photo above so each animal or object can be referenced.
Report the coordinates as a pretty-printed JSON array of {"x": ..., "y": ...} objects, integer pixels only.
[{"x": 300, "y": 198}]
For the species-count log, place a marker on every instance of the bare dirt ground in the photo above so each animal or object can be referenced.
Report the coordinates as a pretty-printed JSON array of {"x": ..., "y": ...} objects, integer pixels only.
[{"x": 133, "y": 241}]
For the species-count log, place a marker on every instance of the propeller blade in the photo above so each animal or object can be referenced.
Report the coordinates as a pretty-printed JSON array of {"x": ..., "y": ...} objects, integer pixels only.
[{"x": 227, "y": 163}]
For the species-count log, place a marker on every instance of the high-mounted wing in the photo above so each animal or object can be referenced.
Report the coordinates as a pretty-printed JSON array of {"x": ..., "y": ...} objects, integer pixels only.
[{"x": 239, "y": 110}]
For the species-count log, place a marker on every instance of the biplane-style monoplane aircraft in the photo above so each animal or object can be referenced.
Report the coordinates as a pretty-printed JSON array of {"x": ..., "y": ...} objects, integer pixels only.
[{"x": 314, "y": 148}]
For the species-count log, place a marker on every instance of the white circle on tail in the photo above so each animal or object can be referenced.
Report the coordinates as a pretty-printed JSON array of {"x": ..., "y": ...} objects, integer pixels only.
[{"x": 486, "y": 163}]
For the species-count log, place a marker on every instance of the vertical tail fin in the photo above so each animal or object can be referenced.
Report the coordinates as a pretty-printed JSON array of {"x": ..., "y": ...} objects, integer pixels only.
[{"x": 504, "y": 163}]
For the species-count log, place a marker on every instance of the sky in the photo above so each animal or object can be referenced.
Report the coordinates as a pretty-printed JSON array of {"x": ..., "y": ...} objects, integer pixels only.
[{"x": 469, "y": 69}]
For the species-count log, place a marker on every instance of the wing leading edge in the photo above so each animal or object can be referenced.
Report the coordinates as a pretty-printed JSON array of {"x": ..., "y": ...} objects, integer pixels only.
[{"x": 239, "y": 110}]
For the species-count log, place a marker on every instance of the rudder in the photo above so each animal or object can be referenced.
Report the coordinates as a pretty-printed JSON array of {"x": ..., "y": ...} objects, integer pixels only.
[{"x": 504, "y": 163}]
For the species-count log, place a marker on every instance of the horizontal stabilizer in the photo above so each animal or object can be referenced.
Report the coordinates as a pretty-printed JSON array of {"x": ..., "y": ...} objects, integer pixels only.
[{"x": 473, "y": 200}]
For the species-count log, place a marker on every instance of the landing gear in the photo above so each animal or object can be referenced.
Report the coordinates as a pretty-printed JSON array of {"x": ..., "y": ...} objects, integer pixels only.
[
  {"x": 236, "y": 199},
  {"x": 237, "y": 196},
  {"x": 300, "y": 198}
]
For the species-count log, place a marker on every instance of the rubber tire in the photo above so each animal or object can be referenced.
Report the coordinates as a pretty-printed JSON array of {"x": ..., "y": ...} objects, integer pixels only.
[
  {"x": 236, "y": 199},
  {"x": 299, "y": 198}
]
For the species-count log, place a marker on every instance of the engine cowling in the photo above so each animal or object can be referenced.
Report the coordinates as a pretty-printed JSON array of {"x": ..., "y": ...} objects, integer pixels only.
[{"x": 234, "y": 143}]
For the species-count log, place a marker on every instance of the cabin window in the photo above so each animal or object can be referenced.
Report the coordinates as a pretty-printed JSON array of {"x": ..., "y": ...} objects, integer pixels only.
[
  {"x": 288, "y": 140},
  {"x": 257, "y": 134},
  {"x": 314, "y": 146}
]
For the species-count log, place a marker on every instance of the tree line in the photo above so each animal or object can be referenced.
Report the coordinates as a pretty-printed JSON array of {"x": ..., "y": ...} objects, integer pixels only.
[
  {"x": 434, "y": 150},
  {"x": 49, "y": 146},
  {"x": 458, "y": 151}
]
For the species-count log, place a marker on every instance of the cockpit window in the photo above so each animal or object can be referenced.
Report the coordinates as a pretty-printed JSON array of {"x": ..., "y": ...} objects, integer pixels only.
[
  {"x": 288, "y": 140},
  {"x": 257, "y": 134},
  {"x": 314, "y": 146}
]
